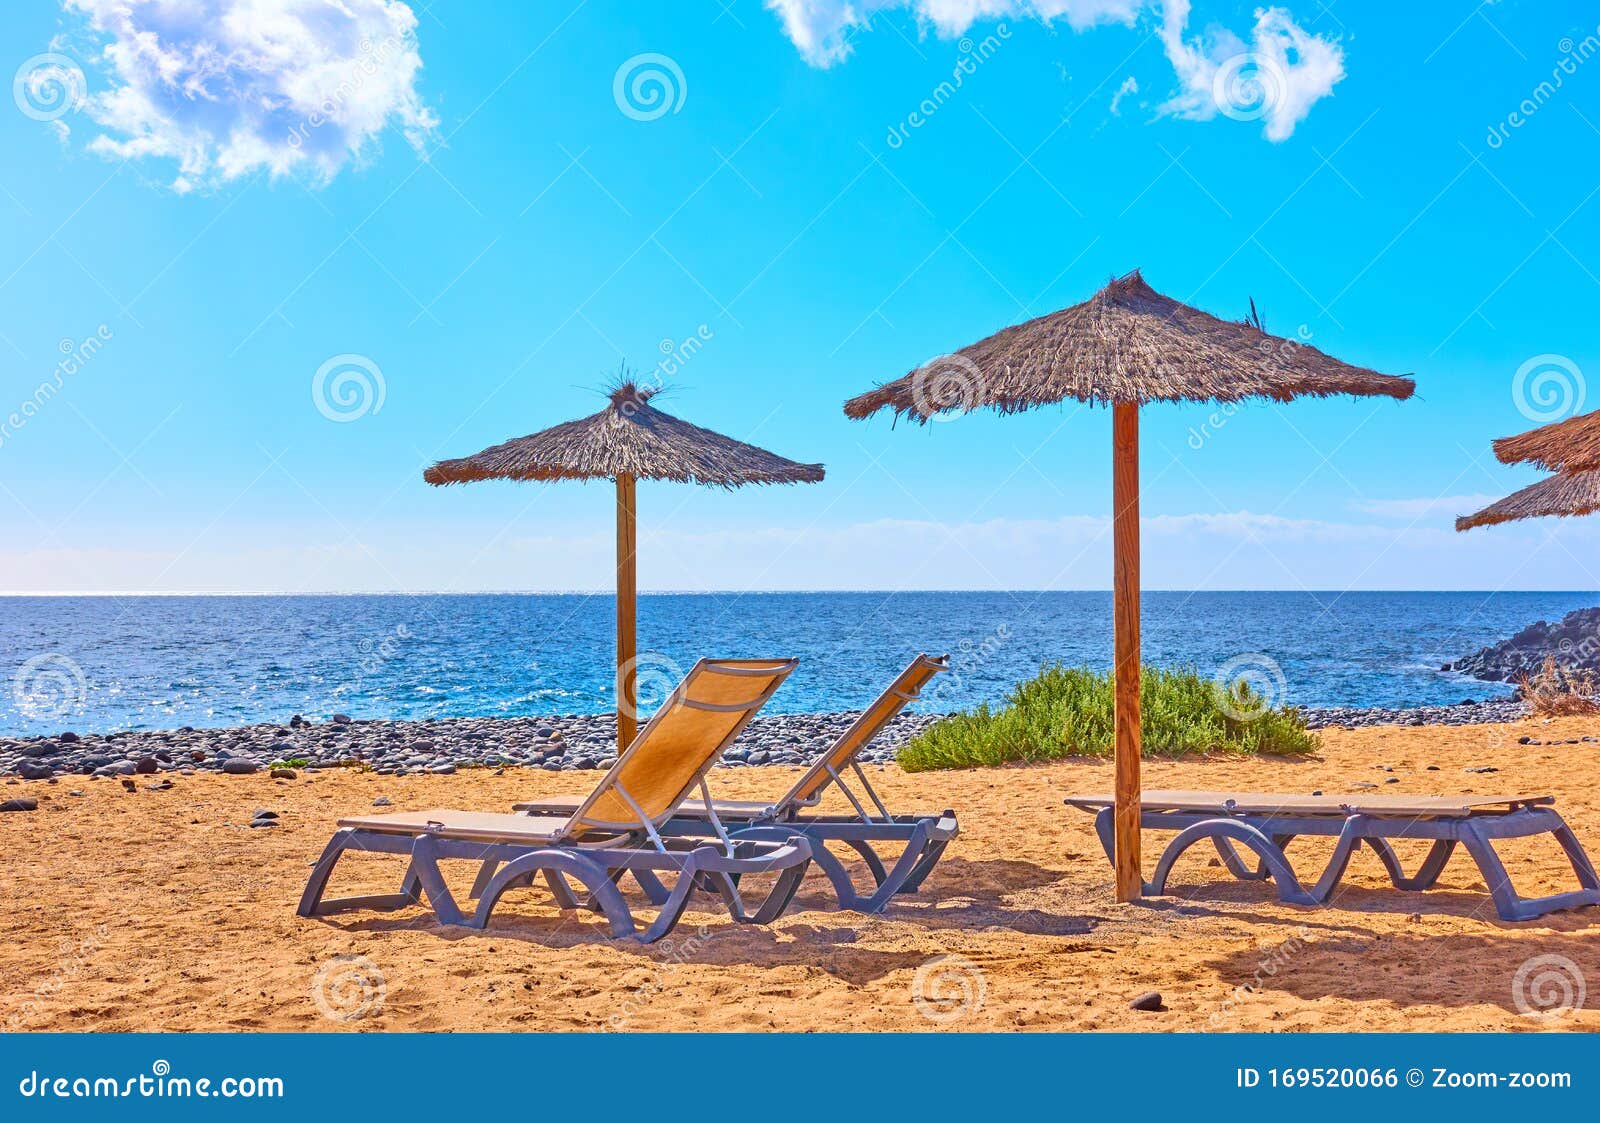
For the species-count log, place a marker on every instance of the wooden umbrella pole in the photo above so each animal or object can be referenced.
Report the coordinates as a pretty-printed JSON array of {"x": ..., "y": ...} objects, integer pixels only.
[
  {"x": 627, "y": 603},
  {"x": 1125, "y": 613}
]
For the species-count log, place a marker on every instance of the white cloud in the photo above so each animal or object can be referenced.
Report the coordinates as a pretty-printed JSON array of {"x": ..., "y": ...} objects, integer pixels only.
[
  {"x": 1214, "y": 550},
  {"x": 822, "y": 28},
  {"x": 225, "y": 88},
  {"x": 1443, "y": 506},
  {"x": 1130, "y": 85},
  {"x": 1275, "y": 78}
]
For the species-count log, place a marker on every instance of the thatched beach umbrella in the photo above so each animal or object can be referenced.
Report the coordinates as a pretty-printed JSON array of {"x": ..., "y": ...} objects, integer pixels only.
[
  {"x": 628, "y": 441},
  {"x": 1568, "y": 493},
  {"x": 1125, "y": 346},
  {"x": 1572, "y": 445}
]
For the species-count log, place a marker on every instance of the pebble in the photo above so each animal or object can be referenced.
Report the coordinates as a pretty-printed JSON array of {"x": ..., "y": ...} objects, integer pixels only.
[
  {"x": 1149, "y": 1000},
  {"x": 383, "y": 801},
  {"x": 20, "y": 805},
  {"x": 282, "y": 774},
  {"x": 240, "y": 766}
]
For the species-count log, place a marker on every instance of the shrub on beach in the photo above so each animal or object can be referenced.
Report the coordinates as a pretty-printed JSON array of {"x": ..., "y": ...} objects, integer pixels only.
[
  {"x": 1554, "y": 691},
  {"x": 1068, "y": 712}
]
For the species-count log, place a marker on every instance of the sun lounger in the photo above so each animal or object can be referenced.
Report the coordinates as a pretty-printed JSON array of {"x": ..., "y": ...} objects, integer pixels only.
[
  {"x": 1266, "y": 823},
  {"x": 921, "y": 838},
  {"x": 617, "y": 828}
]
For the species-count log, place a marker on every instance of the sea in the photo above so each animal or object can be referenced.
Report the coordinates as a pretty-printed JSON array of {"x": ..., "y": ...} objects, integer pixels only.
[{"x": 102, "y": 663}]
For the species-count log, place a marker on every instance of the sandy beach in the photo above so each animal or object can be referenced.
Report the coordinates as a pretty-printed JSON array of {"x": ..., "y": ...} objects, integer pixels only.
[{"x": 163, "y": 910}]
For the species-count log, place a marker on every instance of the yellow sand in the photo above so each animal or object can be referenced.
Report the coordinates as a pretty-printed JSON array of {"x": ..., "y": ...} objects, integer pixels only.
[{"x": 161, "y": 910}]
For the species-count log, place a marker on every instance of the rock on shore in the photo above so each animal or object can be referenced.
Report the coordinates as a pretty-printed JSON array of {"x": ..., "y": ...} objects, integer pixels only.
[
  {"x": 1463, "y": 713},
  {"x": 567, "y": 743},
  {"x": 1574, "y": 641}
]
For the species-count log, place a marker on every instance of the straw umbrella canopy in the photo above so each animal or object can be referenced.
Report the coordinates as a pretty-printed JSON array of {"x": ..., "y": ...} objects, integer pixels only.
[
  {"x": 628, "y": 441},
  {"x": 1572, "y": 445},
  {"x": 1569, "y": 493},
  {"x": 1124, "y": 347}
]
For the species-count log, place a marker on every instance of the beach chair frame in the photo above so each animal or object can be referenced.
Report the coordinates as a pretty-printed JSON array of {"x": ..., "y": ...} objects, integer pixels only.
[
  {"x": 921, "y": 839},
  {"x": 1475, "y": 824},
  {"x": 593, "y": 851}
]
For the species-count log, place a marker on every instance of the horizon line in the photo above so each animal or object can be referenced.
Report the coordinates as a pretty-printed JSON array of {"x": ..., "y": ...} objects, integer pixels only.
[{"x": 57, "y": 595}]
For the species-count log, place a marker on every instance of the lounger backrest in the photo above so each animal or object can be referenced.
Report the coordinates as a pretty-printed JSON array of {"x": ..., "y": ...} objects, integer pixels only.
[
  {"x": 687, "y": 735},
  {"x": 902, "y": 691}
]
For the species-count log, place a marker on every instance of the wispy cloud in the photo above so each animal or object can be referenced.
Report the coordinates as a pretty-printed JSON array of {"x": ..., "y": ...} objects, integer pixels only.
[
  {"x": 1275, "y": 77},
  {"x": 1438, "y": 507},
  {"x": 1212, "y": 550},
  {"x": 226, "y": 88}
]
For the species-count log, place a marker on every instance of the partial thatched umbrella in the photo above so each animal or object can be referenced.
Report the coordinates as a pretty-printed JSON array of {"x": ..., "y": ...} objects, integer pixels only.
[
  {"x": 628, "y": 441},
  {"x": 1572, "y": 445},
  {"x": 1125, "y": 346},
  {"x": 1568, "y": 493}
]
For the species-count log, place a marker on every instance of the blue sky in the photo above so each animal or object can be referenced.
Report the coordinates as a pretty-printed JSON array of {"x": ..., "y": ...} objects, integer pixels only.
[{"x": 496, "y": 217}]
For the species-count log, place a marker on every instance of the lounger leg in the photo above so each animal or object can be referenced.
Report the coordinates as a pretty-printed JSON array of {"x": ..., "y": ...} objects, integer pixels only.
[
  {"x": 1427, "y": 874},
  {"x": 1289, "y": 887},
  {"x": 323, "y": 870},
  {"x": 1349, "y": 839},
  {"x": 1575, "y": 854},
  {"x": 425, "y": 866},
  {"x": 672, "y": 908},
  {"x": 1105, "y": 829},
  {"x": 1235, "y": 864},
  {"x": 312, "y": 903},
  {"x": 930, "y": 858},
  {"x": 1507, "y": 902},
  {"x": 559, "y": 889},
  {"x": 874, "y": 863},
  {"x": 894, "y": 881},
  {"x": 485, "y": 873},
  {"x": 655, "y": 892},
  {"x": 591, "y": 874}
]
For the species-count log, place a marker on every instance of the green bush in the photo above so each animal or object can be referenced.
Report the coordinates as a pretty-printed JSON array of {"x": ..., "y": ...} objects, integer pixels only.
[{"x": 1067, "y": 712}]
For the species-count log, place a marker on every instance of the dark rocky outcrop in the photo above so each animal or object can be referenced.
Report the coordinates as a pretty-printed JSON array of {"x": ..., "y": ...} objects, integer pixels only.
[{"x": 1574, "y": 642}]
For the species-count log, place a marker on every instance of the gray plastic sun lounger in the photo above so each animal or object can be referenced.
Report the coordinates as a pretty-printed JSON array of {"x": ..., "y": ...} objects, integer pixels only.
[
  {"x": 921, "y": 838},
  {"x": 1266, "y": 823},
  {"x": 616, "y": 829}
]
